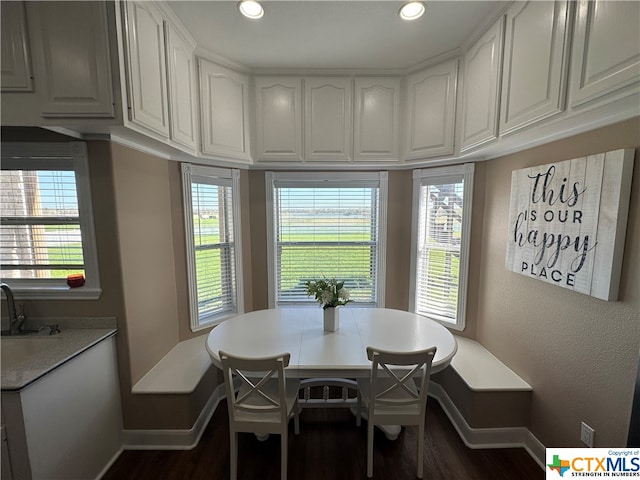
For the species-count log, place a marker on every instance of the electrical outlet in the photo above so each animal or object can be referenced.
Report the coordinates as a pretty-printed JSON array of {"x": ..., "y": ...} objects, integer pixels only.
[{"x": 587, "y": 434}]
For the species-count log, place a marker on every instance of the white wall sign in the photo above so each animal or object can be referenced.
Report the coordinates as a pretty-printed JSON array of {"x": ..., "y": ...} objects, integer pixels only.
[{"x": 567, "y": 222}]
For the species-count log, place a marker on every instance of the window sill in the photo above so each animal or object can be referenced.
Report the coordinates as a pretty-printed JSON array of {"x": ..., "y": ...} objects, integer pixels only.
[
  {"x": 55, "y": 293},
  {"x": 213, "y": 321}
]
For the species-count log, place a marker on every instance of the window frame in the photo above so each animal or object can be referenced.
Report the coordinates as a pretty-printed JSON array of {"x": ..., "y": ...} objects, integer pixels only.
[
  {"x": 434, "y": 176},
  {"x": 68, "y": 156},
  {"x": 197, "y": 322},
  {"x": 310, "y": 179}
]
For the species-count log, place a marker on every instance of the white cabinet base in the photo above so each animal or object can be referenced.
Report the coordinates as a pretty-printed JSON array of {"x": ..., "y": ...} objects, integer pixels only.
[{"x": 67, "y": 424}]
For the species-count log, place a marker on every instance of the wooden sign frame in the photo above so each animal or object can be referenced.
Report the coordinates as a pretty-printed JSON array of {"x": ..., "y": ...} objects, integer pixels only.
[{"x": 568, "y": 222}]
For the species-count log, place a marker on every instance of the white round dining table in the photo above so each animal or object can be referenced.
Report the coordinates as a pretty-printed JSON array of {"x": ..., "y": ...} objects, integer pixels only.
[{"x": 315, "y": 352}]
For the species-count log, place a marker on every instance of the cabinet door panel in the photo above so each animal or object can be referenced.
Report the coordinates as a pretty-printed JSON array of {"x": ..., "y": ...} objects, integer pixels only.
[
  {"x": 377, "y": 119},
  {"x": 224, "y": 96},
  {"x": 481, "y": 86},
  {"x": 182, "y": 118},
  {"x": 279, "y": 121},
  {"x": 16, "y": 63},
  {"x": 73, "y": 49},
  {"x": 431, "y": 103},
  {"x": 535, "y": 63},
  {"x": 328, "y": 119},
  {"x": 146, "y": 72},
  {"x": 606, "y": 50}
]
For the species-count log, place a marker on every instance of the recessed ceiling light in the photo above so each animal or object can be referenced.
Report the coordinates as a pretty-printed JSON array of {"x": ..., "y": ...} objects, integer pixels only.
[
  {"x": 412, "y": 10},
  {"x": 251, "y": 9}
]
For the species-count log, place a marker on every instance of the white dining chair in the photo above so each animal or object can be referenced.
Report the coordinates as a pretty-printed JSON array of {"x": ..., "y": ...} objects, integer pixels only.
[
  {"x": 263, "y": 403},
  {"x": 392, "y": 397}
]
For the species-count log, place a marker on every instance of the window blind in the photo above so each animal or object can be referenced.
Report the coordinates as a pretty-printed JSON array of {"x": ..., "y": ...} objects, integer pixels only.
[
  {"x": 40, "y": 233},
  {"x": 326, "y": 229},
  {"x": 214, "y": 245},
  {"x": 441, "y": 210},
  {"x": 212, "y": 226}
]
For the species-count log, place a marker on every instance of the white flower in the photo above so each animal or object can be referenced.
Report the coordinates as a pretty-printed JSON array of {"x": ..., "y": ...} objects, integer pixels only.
[
  {"x": 327, "y": 297},
  {"x": 329, "y": 293}
]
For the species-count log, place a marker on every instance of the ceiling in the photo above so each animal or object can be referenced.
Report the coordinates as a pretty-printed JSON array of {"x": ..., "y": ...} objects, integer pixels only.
[{"x": 354, "y": 35}]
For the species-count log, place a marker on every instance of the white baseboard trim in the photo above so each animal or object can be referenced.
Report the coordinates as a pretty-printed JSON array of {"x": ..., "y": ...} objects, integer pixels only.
[
  {"x": 504, "y": 437},
  {"x": 106, "y": 468},
  {"x": 174, "y": 439}
]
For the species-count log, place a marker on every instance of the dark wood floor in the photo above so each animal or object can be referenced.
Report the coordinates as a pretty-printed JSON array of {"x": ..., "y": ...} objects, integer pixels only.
[{"x": 329, "y": 447}]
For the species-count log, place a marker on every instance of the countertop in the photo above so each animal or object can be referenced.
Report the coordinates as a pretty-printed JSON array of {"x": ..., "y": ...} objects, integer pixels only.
[{"x": 25, "y": 363}]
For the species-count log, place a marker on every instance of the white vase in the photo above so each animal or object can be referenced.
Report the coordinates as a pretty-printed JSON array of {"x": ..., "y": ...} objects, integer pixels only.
[{"x": 331, "y": 319}]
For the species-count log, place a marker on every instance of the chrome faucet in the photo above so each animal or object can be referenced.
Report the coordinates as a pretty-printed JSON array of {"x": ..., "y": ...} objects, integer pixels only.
[{"x": 15, "y": 320}]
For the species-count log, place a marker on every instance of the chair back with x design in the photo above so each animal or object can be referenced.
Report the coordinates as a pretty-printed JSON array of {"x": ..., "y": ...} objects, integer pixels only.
[
  {"x": 260, "y": 400},
  {"x": 258, "y": 393},
  {"x": 392, "y": 396},
  {"x": 395, "y": 388}
]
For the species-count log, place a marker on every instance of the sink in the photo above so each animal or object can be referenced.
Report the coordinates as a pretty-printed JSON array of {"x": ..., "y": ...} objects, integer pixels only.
[{"x": 18, "y": 348}]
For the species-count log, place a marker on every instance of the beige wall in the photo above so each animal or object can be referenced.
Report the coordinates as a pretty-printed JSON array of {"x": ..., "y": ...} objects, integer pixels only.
[
  {"x": 258, "y": 240},
  {"x": 145, "y": 237},
  {"x": 398, "y": 239},
  {"x": 578, "y": 353},
  {"x": 247, "y": 238}
]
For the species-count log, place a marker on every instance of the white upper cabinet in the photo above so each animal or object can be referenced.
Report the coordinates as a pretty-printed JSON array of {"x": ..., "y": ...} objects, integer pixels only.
[
  {"x": 182, "y": 88},
  {"x": 480, "y": 99},
  {"x": 327, "y": 118},
  {"x": 376, "y": 125},
  {"x": 606, "y": 51},
  {"x": 147, "y": 76},
  {"x": 536, "y": 56},
  {"x": 278, "y": 118},
  {"x": 224, "y": 100},
  {"x": 15, "y": 55},
  {"x": 160, "y": 76},
  {"x": 542, "y": 70},
  {"x": 71, "y": 45},
  {"x": 430, "y": 110}
]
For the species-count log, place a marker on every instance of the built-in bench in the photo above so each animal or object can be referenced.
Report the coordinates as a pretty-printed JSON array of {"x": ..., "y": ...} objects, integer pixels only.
[
  {"x": 477, "y": 382},
  {"x": 184, "y": 379},
  {"x": 179, "y": 371},
  {"x": 488, "y": 403},
  {"x": 486, "y": 392}
]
